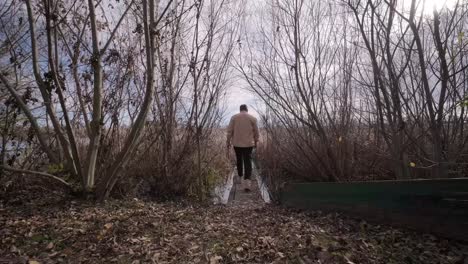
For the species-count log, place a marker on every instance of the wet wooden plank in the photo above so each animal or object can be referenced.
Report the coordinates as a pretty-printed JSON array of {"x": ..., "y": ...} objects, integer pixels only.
[{"x": 239, "y": 197}]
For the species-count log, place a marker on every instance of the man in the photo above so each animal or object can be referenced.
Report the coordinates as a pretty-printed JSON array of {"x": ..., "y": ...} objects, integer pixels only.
[{"x": 243, "y": 135}]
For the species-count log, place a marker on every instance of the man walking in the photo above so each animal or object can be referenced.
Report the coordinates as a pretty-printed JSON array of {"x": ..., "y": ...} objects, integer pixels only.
[{"x": 243, "y": 135}]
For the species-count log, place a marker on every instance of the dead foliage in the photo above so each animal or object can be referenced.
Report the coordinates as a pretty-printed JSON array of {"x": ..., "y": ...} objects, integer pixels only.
[{"x": 134, "y": 231}]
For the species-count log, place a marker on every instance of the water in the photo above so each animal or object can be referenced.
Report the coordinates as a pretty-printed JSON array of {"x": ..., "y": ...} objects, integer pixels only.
[
  {"x": 222, "y": 191},
  {"x": 263, "y": 190},
  {"x": 261, "y": 185}
]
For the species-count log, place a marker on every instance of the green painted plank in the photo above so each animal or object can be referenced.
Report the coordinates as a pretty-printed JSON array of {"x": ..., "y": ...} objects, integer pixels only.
[{"x": 438, "y": 206}]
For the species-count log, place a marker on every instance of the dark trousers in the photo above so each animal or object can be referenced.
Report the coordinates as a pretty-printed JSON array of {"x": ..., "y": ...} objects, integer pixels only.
[{"x": 244, "y": 159}]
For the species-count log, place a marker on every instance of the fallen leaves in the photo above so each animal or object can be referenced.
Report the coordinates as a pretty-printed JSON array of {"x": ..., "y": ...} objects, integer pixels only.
[
  {"x": 215, "y": 259},
  {"x": 50, "y": 245},
  {"x": 147, "y": 232}
]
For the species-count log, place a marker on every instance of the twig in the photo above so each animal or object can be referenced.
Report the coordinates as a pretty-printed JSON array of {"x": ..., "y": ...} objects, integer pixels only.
[{"x": 38, "y": 173}]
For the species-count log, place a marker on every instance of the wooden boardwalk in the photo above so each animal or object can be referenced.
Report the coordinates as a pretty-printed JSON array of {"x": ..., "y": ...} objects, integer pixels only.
[
  {"x": 233, "y": 194},
  {"x": 240, "y": 198}
]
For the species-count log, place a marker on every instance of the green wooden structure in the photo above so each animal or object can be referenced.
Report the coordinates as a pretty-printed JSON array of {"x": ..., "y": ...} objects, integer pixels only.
[{"x": 436, "y": 206}]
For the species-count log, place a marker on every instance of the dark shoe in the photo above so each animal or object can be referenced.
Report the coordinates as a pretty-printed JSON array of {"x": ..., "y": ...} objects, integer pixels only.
[
  {"x": 237, "y": 180},
  {"x": 247, "y": 185}
]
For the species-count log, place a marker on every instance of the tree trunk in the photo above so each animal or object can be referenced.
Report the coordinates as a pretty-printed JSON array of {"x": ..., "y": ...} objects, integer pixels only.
[
  {"x": 107, "y": 183},
  {"x": 96, "y": 122}
]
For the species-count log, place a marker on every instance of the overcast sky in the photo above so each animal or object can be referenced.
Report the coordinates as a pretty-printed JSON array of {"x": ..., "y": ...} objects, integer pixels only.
[{"x": 238, "y": 92}]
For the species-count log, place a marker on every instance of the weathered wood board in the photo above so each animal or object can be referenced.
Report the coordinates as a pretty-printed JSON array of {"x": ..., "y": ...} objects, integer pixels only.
[{"x": 435, "y": 206}]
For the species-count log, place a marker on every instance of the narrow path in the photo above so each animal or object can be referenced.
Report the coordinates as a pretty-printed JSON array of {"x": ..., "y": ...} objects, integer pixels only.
[
  {"x": 240, "y": 198},
  {"x": 232, "y": 192},
  {"x": 255, "y": 198}
]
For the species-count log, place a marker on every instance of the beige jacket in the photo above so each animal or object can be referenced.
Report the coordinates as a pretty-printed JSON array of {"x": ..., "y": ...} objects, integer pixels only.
[{"x": 242, "y": 130}]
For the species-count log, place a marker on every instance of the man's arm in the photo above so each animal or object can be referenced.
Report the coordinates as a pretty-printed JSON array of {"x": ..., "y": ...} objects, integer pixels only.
[{"x": 230, "y": 132}]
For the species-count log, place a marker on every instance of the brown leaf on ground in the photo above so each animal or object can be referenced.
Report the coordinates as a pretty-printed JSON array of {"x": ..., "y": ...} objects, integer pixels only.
[{"x": 134, "y": 231}]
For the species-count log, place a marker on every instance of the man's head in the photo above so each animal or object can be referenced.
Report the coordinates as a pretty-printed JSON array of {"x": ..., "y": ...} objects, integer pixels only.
[{"x": 243, "y": 108}]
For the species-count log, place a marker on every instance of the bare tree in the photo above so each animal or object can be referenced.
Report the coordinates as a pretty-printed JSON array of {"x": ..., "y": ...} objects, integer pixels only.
[{"x": 304, "y": 77}]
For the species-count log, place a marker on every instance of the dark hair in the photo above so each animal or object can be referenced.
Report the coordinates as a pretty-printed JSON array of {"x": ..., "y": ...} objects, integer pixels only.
[{"x": 243, "y": 107}]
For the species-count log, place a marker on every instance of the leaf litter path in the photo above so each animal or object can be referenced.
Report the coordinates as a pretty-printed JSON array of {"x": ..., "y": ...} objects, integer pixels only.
[{"x": 49, "y": 229}]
